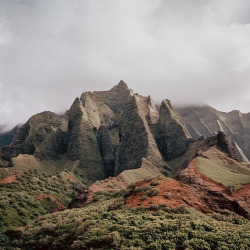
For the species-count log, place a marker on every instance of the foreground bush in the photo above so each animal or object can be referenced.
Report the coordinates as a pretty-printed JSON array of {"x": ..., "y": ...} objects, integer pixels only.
[{"x": 112, "y": 225}]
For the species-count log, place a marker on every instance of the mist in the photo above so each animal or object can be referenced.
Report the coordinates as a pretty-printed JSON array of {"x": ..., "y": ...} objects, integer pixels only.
[{"x": 191, "y": 52}]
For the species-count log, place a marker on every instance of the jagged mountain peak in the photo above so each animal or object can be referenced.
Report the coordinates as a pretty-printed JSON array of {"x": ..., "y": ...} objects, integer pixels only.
[
  {"x": 109, "y": 132},
  {"x": 207, "y": 122},
  {"x": 121, "y": 85},
  {"x": 169, "y": 114},
  {"x": 226, "y": 145},
  {"x": 111, "y": 139},
  {"x": 116, "y": 119}
]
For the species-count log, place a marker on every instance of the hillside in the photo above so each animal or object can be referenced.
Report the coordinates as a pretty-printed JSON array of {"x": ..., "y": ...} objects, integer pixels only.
[
  {"x": 208, "y": 121},
  {"x": 113, "y": 164}
]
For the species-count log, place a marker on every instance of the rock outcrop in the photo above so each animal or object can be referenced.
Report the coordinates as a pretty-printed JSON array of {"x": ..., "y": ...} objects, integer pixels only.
[
  {"x": 107, "y": 150},
  {"x": 174, "y": 138},
  {"x": 114, "y": 138},
  {"x": 215, "y": 194},
  {"x": 83, "y": 143},
  {"x": 136, "y": 140},
  {"x": 208, "y": 121},
  {"x": 33, "y": 134},
  {"x": 225, "y": 144},
  {"x": 108, "y": 132}
]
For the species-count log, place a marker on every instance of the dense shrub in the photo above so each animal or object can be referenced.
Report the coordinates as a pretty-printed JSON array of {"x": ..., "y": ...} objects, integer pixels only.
[{"x": 111, "y": 225}]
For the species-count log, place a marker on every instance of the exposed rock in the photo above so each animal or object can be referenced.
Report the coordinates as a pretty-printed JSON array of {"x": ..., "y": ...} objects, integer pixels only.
[
  {"x": 33, "y": 133},
  {"x": 208, "y": 121},
  {"x": 215, "y": 194},
  {"x": 106, "y": 150},
  {"x": 148, "y": 109},
  {"x": 133, "y": 139},
  {"x": 225, "y": 144},
  {"x": 174, "y": 137},
  {"x": 198, "y": 148},
  {"x": 240, "y": 152},
  {"x": 136, "y": 139},
  {"x": 83, "y": 144},
  {"x": 53, "y": 146},
  {"x": 106, "y": 107}
]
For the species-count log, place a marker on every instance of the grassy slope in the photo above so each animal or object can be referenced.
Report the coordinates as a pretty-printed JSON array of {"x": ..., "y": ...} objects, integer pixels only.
[
  {"x": 19, "y": 203},
  {"x": 223, "y": 170},
  {"x": 108, "y": 224}
]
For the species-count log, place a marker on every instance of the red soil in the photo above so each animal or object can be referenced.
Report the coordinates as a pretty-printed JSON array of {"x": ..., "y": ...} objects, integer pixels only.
[
  {"x": 109, "y": 184},
  {"x": 87, "y": 194},
  {"x": 172, "y": 193},
  {"x": 69, "y": 176},
  {"x": 243, "y": 196},
  {"x": 216, "y": 194},
  {"x": 59, "y": 206},
  {"x": 192, "y": 176},
  {"x": 10, "y": 179}
]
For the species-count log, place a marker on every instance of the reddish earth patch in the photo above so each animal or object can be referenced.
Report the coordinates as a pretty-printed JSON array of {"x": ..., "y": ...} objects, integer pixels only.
[
  {"x": 87, "y": 194},
  {"x": 171, "y": 192},
  {"x": 10, "y": 179},
  {"x": 216, "y": 195},
  {"x": 192, "y": 176},
  {"x": 243, "y": 196},
  {"x": 69, "y": 176},
  {"x": 245, "y": 191},
  {"x": 111, "y": 183},
  {"x": 59, "y": 206},
  {"x": 193, "y": 190}
]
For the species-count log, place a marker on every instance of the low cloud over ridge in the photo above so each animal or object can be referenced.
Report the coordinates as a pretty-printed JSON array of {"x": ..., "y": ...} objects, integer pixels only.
[{"x": 191, "y": 52}]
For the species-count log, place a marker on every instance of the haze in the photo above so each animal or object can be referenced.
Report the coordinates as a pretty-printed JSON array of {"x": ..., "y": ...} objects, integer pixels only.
[{"x": 191, "y": 52}]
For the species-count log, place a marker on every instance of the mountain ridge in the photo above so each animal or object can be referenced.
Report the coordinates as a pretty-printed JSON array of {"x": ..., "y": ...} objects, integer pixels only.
[
  {"x": 115, "y": 153},
  {"x": 207, "y": 121}
]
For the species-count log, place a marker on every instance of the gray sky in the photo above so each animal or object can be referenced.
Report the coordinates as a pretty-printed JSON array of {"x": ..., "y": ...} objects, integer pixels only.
[{"x": 191, "y": 52}]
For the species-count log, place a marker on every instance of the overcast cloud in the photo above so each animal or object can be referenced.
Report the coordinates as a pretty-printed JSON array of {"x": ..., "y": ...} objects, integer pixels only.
[{"x": 191, "y": 52}]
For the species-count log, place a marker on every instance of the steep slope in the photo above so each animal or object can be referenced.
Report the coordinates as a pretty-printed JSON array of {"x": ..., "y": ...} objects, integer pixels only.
[
  {"x": 33, "y": 134},
  {"x": 114, "y": 148},
  {"x": 174, "y": 137},
  {"x": 136, "y": 139},
  {"x": 208, "y": 121},
  {"x": 7, "y": 137},
  {"x": 108, "y": 224},
  {"x": 107, "y": 132}
]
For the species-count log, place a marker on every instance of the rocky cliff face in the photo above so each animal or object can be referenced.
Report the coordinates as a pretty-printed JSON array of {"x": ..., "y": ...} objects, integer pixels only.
[
  {"x": 174, "y": 137},
  {"x": 208, "y": 121},
  {"x": 34, "y": 134},
  {"x": 119, "y": 138},
  {"x": 136, "y": 140},
  {"x": 107, "y": 132}
]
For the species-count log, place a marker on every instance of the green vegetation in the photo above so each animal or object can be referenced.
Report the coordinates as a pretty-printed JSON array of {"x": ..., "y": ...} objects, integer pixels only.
[
  {"x": 223, "y": 170},
  {"x": 109, "y": 224},
  {"x": 33, "y": 195}
]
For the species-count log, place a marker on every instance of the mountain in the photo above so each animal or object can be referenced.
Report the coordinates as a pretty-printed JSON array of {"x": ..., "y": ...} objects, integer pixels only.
[
  {"x": 116, "y": 172},
  {"x": 106, "y": 132},
  {"x": 208, "y": 121},
  {"x": 7, "y": 137}
]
